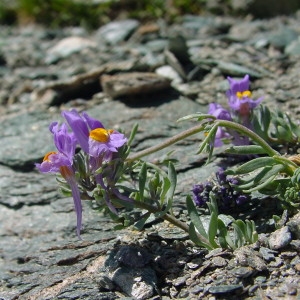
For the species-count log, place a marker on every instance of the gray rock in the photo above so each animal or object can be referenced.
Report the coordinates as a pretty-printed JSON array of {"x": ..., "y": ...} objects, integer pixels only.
[
  {"x": 128, "y": 269},
  {"x": 267, "y": 254},
  {"x": 219, "y": 262},
  {"x": 294, "y": 225},
  {"x": 138, "y": 283},
  {"x": 130, "y": 84},
  {"x": 243, "y": 31},
  {"x": 170, "y": 73},
  {"x": 17, "y": 188},
  {"x": 68, "y": 46},
  {"x": 132, "y": 257},
  {"x": 224, "y": 289},
  {"x": 233, "y": 69},
  {"x": 293, "y": 48},
  {"x": 243, "y": 272},
  {"x": 283, "y": 37},
  {"x": 246, "y": 256},
  {"x": 198, "y": 23},
  {"x": 157, "y": 46},
  {"x": 117, "y": 31},
  {"x": 280, "y": 238},
  {"x": 25, "y": 139}
]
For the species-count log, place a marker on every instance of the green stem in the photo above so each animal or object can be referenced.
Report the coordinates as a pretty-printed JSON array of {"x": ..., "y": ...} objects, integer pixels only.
[
  {"x": 223, "y": 123},
  {"x": 169, "y": 218},
  {"x": 174, "y": 139},
  {"x": 290, "y": 166},
  {"x": 247, "y": 132}
]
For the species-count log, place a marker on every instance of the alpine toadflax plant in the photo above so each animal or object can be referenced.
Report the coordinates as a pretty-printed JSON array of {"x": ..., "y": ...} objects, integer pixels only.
[
  {"x": 103, "y": 170},
  {"x": 98, "y": 145}
]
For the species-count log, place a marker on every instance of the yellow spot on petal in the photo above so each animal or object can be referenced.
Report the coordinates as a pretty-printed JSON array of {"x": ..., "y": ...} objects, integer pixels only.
[
  {"x": 245, "y": 94},
  {"x": 46, "y": 157},
  {"x": 100, "y": 134}
]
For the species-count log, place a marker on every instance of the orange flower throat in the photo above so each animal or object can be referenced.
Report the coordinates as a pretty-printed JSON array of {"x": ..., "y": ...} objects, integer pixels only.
[
  {"x": 245, "y": 94},
  {"x": 46, "y": 157},
  {"x": 101, "y": 134}
]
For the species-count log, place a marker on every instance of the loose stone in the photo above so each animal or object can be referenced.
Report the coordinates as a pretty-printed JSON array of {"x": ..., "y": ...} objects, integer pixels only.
[
  {"x": 224, "y": 289},
  {"x": 280, "y": 238}
]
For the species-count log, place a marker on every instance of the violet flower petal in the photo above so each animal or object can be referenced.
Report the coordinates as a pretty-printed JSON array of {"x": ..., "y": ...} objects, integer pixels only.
[
  {"x": 115, "y": 141},
  {"x": 77, "y": 203},
  {"x": 239, "y": 85},
  {"x": 64, "y": 141},
  {"x": 79, "y": 127},
  {"x": 219, "y": 112},
  {"x": 91, "y": 122}
]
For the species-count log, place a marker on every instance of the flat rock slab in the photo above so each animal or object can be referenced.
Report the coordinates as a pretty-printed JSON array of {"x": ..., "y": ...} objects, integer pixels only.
[{"x": 133, "y": 84}]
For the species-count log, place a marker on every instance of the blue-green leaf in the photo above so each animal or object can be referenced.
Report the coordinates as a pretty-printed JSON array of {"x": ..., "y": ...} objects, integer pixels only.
[
  {"x": 209, "y": 139},
  {"x": 193, "y": 214},
  {"x": 142, "y": 180},
  {"x": 253, "y": 165},
  {"x": 133, "y": 133},
  {"x": 245, "y": 150},
  {"x": 194, "y": 238},
  {"x": 139, "y": 225},
  {"x": 222, "y": 232},
  {"x": 165, "y": 210},
  {"x": 166, "y": 184},
  {"x": 172, "y": 176},
  {"x": 199, "y": 116},
  {"x": 212, "y": 229}
]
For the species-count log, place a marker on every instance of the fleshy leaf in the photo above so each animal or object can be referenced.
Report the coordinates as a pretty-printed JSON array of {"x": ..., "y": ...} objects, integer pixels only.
[
  {"x": 212, "y": 229},
  {"x": 192, "y": 211},
  {"x": 142, "y": 180},
  {"x": 253, "y": 165},
  {"x": 246, "y": 150}
]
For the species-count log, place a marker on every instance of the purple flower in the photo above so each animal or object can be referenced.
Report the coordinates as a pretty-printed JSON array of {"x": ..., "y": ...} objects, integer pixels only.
[
  {"x": 81, "y": 126},
  {"x": 201, "y": 193},
  {"x": 65, "y": 143},
  {"x": 241, "y": 199},
  {"x": 224, "y": 190},
  {"x": 220, "y": 113},
  {"x": 239, "y": 96},
  {"x": 93, "y": 138},
  {"x": 105, "y": 141},
  {"x": 61, "y": 162}
]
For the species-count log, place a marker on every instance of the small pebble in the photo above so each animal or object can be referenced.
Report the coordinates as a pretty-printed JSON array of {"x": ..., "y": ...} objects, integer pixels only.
[
  {"x": 224, "y": 289},
  {"x": 292, "y": 290},
  {"x": 280, "y": 238},
  {"x": 297, "y": 267},
  {"x": 260, "y": 279},
  {"x": 179, "y": 281},
  {"x": 267, "y": 253},
  {"x": 242, "y": 272},
  {"x": 219, "y": 262}
]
